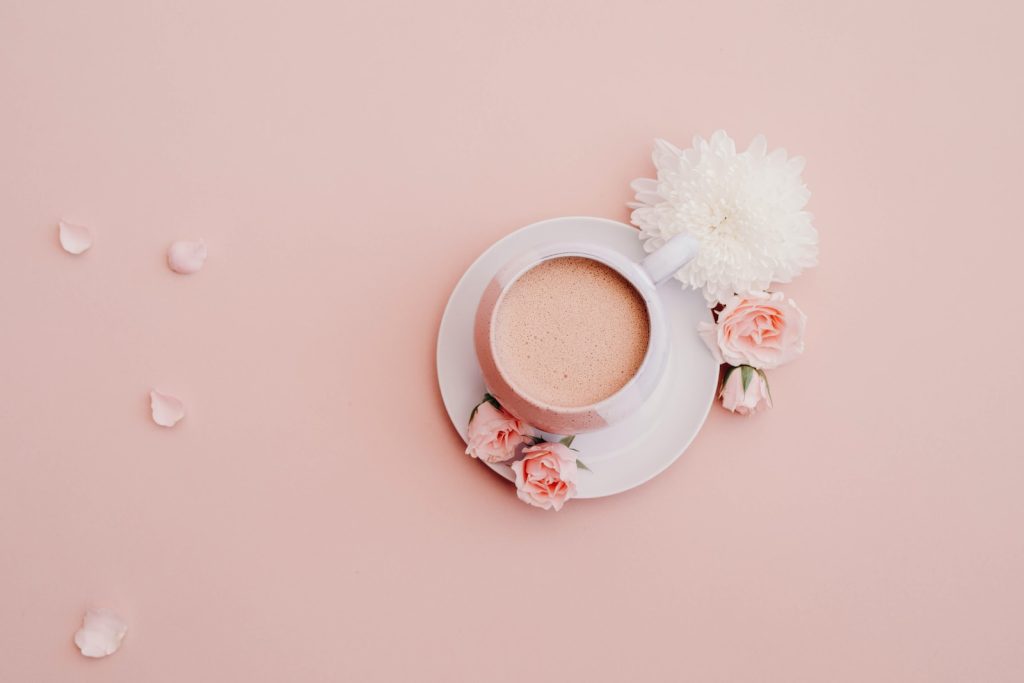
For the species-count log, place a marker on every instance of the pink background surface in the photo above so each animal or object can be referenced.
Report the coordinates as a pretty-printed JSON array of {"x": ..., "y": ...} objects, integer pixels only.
[{"x": 314, "y": 519}]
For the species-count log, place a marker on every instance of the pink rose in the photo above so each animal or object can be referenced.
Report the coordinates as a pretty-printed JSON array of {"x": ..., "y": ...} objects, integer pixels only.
[
  {"x": 546, "y": 477},
  {"x": 494, "y": 435},
  {"x": 761, "y": 330},
  {"x": 745, "y": 401}
]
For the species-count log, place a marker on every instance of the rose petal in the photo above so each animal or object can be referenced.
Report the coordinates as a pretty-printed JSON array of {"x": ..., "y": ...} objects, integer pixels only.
[
  {"x": 167, "y": 410},
  {"x": 74, "y": 238},
  {"x": 186, "y": 257},
  {"x": 709, "y": 334},
  {"x": 101, "y": 633}
]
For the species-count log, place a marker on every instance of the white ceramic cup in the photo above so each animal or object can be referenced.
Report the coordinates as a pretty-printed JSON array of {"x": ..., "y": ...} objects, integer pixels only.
[{"x": 643, "y": 276}]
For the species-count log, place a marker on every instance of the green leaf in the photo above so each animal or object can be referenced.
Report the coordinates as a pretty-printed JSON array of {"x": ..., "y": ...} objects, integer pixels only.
[
  {"x": 567, "y": 440},
  {"x": 747, "y": 374},
  {"x": 582, "y": 465},
  {"x": 725, "y": 376}
]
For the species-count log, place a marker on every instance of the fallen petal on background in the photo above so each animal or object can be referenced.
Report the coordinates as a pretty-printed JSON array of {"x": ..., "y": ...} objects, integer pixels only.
[
  {"x": 167, "y": 410},
  {"x": 186, "y": 257},
  {"x": 74, "y": 238},
  {"x": 101, "y": 633}
]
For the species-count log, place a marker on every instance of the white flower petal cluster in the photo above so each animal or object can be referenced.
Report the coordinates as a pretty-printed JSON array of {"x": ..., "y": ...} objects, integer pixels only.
[{"x": 746, "y": 209}]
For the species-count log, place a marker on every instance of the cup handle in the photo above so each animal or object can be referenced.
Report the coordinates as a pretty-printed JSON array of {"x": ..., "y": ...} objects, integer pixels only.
[{"x": 663, "y": 263}]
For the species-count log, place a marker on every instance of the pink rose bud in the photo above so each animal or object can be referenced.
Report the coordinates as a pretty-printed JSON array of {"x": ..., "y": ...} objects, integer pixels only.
[
  {"x": 761, "y": 330},
  {"x": 546, "y": 476},
  {"x": 494, "y": 435},
  {"x": 745, "y": 391}
]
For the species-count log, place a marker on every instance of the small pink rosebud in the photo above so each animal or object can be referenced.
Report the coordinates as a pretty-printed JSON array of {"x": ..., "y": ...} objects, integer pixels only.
[{"x": 745, "y": 391}]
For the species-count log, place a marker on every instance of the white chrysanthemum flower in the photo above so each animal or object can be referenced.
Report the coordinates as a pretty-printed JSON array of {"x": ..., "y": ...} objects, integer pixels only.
[{"x": 746, "y": 209}]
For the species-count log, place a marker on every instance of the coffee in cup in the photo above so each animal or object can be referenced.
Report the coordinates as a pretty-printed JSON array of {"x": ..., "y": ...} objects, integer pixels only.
[
  {"x": 571, "y": 337},
  {"x": 570, "y": 332}
]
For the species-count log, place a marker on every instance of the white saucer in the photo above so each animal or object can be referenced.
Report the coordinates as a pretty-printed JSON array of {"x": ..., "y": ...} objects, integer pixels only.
[{"x": 625, "y": 454}]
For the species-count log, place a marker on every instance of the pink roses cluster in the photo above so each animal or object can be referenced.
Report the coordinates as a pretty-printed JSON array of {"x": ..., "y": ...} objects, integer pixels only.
[
  {"x": 753, "y": 333},
  {"x": 545, "y": 471}
]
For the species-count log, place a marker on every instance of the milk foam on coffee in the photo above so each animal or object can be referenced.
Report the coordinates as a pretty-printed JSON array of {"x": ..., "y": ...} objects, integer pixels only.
[{"x": 570, "y": 332}]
